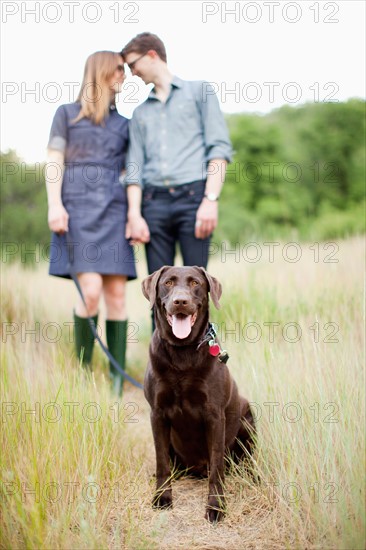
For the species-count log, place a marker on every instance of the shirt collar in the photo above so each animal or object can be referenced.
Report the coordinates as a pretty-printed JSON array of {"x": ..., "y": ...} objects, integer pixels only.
[{"x": 175, "y": 83}]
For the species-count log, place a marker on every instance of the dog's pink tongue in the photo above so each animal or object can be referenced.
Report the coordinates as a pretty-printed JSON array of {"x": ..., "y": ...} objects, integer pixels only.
[{"x": 181, "y": 326}]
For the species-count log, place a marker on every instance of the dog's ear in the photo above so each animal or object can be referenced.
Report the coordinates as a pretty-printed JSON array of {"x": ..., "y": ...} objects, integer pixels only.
[
  {"x": 149, "y": 285},
  {"x": 214, "y": 287}
]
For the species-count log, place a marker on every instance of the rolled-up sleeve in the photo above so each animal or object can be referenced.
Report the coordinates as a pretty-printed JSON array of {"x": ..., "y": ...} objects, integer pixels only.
[
  {"x": 216, "y": 135},
  {"x": 135, "y": 154},
  {"x": 58, "y": 133}
]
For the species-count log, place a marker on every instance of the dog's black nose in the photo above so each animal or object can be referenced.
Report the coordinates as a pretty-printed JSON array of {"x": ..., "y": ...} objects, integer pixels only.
[{"x": 180, "y": 302}]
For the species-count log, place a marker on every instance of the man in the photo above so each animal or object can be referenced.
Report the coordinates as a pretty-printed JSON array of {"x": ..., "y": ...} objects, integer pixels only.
[{"x": 179, "y": 149}]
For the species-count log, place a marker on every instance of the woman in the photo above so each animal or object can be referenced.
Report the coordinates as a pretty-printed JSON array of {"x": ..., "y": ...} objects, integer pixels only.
[{"x": 87, "y": 204}]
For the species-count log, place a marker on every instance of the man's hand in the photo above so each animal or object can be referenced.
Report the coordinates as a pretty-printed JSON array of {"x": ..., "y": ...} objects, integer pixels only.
[
  {"x": 137, "y": 229},
  {"x": 58, "y": 219},
  {"x": 206, "y": 219}
]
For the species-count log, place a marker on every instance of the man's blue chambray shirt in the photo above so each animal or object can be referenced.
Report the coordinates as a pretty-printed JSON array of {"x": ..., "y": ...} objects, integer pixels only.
[{"x": 171, "y": 143}]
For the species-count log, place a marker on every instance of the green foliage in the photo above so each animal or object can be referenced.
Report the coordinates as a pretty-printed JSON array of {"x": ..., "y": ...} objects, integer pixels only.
[
  {"x": 24, "y": 206},
  {"x": 296, "y": 172}
]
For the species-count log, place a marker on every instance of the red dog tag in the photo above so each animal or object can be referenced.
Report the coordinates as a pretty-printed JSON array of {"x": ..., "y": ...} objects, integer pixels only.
[{"x": 214, "y": 349}]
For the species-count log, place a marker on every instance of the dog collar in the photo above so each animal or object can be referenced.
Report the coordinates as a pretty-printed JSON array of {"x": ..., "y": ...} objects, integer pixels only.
[{"x": 214, "y": 347}]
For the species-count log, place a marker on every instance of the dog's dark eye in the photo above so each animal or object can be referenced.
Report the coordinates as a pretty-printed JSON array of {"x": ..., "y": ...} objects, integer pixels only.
[
  {"x": 194, "y": 283},
  {"x": 168, "y": 283}
]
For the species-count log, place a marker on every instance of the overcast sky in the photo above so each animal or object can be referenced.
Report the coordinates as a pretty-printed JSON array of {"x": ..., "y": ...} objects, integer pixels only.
[{"x": 259, "y": 55}]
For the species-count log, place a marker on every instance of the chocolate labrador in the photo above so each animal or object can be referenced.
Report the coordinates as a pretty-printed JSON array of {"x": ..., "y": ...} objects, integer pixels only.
[{"x": 196, "y": 412}]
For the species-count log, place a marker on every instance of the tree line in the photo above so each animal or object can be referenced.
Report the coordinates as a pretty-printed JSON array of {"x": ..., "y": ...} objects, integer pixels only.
[{"x": 297, "y": 172}]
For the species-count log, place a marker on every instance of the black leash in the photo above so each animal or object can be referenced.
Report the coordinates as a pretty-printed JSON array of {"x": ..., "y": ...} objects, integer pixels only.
[{"x": 93, "y": 327}]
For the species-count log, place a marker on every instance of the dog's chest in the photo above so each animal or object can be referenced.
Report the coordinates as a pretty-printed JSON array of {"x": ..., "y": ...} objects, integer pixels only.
[{"x": 182, "y": 399}]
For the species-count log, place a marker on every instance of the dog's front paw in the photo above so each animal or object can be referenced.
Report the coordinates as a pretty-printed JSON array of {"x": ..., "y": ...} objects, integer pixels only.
[
  {"x": 163, "y": 499},
  {"x": 215, "y": 510}
]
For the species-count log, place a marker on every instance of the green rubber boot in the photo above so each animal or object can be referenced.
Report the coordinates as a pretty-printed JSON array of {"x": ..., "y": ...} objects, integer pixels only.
[
  {"x": 116, "y": 340},
  {"x": 84, "y": 338}
]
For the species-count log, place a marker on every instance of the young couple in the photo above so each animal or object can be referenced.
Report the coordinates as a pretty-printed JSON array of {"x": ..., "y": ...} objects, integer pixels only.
[{"x": 173, "y": 153}]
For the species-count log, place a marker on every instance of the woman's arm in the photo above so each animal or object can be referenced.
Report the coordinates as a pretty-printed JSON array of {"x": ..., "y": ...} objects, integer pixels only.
[
  {"x": 58, "y": 218},
  {"x": 136, "y": 229}
]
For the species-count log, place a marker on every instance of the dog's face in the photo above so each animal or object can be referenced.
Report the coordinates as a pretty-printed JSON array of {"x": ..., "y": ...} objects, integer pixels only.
[{"x": 180, "y": 295}]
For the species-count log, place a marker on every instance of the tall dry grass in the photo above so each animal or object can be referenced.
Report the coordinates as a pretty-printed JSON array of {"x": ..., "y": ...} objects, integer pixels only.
[{"x": 77, "y": 472}]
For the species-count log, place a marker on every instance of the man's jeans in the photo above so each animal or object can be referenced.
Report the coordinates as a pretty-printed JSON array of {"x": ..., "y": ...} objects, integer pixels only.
[{"x": 170, "y": 213}]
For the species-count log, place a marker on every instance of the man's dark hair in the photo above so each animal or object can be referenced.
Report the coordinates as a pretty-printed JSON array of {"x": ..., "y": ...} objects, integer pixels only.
[{"x": 144, "y": 42}]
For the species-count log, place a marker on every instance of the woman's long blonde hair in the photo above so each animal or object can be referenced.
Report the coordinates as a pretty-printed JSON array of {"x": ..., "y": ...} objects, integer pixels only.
[{"x": 95, "y": 93}]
